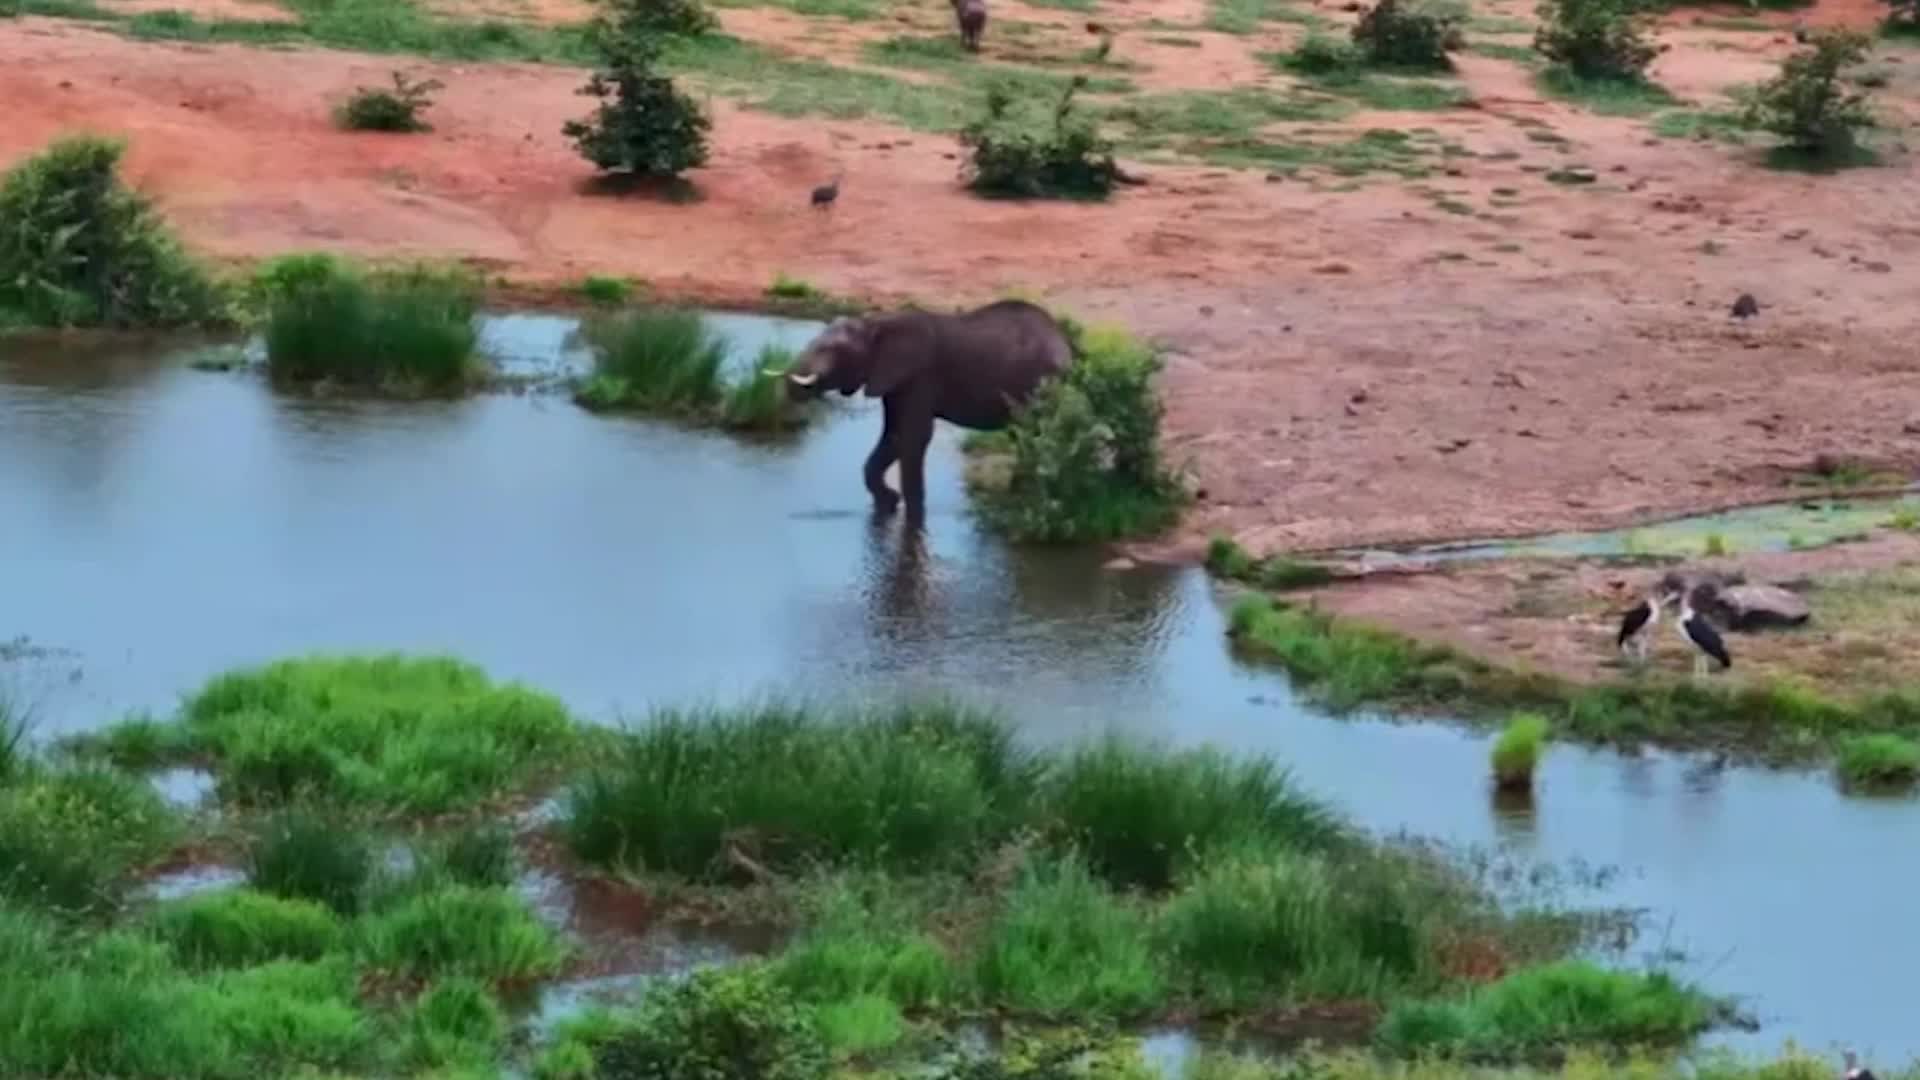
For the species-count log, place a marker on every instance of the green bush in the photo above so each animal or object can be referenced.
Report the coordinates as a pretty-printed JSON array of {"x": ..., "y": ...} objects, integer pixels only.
[
  {"x": 1321, "y": 55},
  {"x": 457, "y": 1022},
  {"x": 1012, "y": 154},
  {"x": 732, "y": 1024},
  {"x": 301, "y": 855},
  {"x": 408, "y": 330},
  {"x": 663, "y": 360},
  {"x": 1086, "y": 450},
  {"x": 1878, "y": 761},
  {"x": 79, "y": 248},
  {"x": 1595, "y": 39},
  {"x": 460, "y": 930},
  {"x": 69, "y": 837},
  {"x": 606, "y": 291},
  {"x": 1808, "y": 105},
  {"x": 1064, "y": 944},
  {"x": 242, "y": 928},
  {"x": 1550, "y": 1009},
  {"x": 396, "y": 110},
  {"x": 1517, "y": 751},
  {"x": 1140, "y": 814},
  {"x": 644, "y": 126},
  {"x": 1395, "y": 36},
  {"x": 917, "y": 786},
  {"x": 1296, "y": 927},
  {"x": 414, "y": 734}
]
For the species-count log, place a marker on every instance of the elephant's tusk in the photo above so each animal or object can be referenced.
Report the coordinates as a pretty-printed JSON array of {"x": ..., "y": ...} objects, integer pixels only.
[{"x": 803, "y": 380}]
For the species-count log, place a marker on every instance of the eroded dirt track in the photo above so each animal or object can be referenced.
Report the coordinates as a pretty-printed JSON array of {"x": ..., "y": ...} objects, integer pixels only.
[{"x": 1357, "y": 366}]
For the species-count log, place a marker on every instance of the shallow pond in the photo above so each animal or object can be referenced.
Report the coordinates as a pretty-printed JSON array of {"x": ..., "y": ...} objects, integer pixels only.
[{"x": 162, "y": 524}]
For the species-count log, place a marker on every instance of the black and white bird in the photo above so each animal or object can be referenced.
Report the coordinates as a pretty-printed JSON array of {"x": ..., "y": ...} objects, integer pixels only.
[
  {"x": 1855, "y": 1070},
  {"x": 1637, "y": 626},
  {"x": 1697, "y": 630}
]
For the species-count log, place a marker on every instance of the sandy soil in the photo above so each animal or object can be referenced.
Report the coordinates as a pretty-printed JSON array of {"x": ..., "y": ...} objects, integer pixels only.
[{"x": 1348, "y": 366}]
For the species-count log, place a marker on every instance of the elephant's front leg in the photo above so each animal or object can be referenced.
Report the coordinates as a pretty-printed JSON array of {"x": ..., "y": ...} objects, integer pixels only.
[
  {"x": 910, "y": 438},
  {"x": 884, "y": 454}
]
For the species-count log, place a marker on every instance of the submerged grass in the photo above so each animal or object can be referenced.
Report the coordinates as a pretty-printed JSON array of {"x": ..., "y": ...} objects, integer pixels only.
[
  {"x": 671, "y": 362},
  {"x": 1347, "y": 665},
  {"x": 409, "y": 330},
  {"x": 384, "y": 732}
]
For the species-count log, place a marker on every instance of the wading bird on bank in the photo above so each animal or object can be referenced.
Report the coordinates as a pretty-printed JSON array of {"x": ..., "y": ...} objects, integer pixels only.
[
  {"x": 1638, "y": 624},
  {"x": 1700, "y": 633}
]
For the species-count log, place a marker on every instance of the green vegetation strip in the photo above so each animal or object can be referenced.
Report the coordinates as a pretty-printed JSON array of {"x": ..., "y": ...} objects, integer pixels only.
[{"x": 920, "y": 865}]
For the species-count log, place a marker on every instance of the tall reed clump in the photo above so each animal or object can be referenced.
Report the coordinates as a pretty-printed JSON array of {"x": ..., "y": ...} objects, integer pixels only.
[
  {"x": 384, "y": 732},
  {"x": 1064, "y": 943},
  {"x": 1517, "y": 751},
  {"x": 1140, "y": 815},
  {"x": 243, "y": 928},
  {"x": 1297, "y": 926},
  {"x": 709, "y": 794},
  {"x": 670, "y": 362},
  {"x": 302, "y": 855},
  {"x": 408, "y": 330},
  {"x": 70, "y": 836},
  {"x": 1879, "y": 761},
  {"x": 1087, "y": 464},
  {"x": 79, "y": 248},
  {"x": 461, "y": 930},
  {"x": 1549, "y": 1010}
]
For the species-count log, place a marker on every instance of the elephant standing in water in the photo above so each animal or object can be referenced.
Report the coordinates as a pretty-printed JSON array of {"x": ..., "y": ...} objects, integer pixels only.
[{"x": 971, "y": 369}]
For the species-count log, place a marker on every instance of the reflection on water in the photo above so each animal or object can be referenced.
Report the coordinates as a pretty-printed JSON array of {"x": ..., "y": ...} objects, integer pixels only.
[{"x": 164, "y": 524}]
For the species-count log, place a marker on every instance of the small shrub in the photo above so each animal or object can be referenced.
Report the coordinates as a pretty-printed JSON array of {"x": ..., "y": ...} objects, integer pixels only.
[
  {"x": 304, "y": 856},
  {"x": 1323, "y": 55},
  {"x": 404, "y": 330},
  {"x": 242, "y": 928},
  {"x": 1595, "y": 39},
  {"x": 1551, "y": 1009},
  {"x": 606, "y": 291},
  {"x": 1517, "y": 751},
  {"x": 644, "y": 126},
  {"x": 731, "y": 1024},
  {"x": 1064, "y": 944},
  {"x": 457, "y": 1022},
  {"x": 79, "y": 248},
  {"x": 1396, "y": 36},
  {"x": 1808, "y": 106},
  {"x": 69, "y": 837},
  {"x": 787, "y": 288},
  {"x": 1879, "y": 761},
  {"x": 460, "y": 930},
  {"x": 1086, "y": 450},
  {"x": 396, "y": 110},
  {"x": 1139, "y": 815},
  {"x": 1011, "y": 154}
]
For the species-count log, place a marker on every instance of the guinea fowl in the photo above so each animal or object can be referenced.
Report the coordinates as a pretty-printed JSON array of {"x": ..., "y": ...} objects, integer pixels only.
[{"x": 825, "y": 194}]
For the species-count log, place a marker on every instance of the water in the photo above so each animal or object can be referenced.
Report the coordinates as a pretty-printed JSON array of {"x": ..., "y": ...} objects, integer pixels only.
[{"x": 163, "y": 524}]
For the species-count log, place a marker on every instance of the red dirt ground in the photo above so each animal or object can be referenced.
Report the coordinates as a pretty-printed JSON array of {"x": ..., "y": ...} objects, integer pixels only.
[{"x": 1347, "y": 367}]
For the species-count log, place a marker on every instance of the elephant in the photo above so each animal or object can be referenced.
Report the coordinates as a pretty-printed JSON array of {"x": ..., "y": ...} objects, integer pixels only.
[{"x": 972, "y": 369}]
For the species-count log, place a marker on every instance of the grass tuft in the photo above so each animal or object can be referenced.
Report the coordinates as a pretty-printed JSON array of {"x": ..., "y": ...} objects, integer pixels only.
[
  {"x": 461, "y": 930},
  {"x": 1516, "y": 753},
  {"x": 1063, "y": 943},
  {"x": 1605, "y": 96},
  {"x": 403, "y": 331},
  {"x": 670, "y": 362},
  {"x": 301, "y": 855},
  {"x": 69, "y": 837},
  {"x": 243, "y": 928},
  {"x": 733, "y": 1024},
  {"x": 397, "y": 110},
  {"x": 605, "y": 291},
  {"x": 457, "y": 1022},
  {"x": 1879, "y": 762},
  {"x": 1229, "y": 560}
]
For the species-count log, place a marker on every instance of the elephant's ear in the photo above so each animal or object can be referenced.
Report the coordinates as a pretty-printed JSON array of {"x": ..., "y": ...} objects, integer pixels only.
[{"x": 898, "y": 351}]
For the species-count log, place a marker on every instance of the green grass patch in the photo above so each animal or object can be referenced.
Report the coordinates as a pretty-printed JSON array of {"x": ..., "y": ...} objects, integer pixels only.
[
  {"x": 458, "y": 1024},
  {"x": 802, "y": 298},
  {"x": 916, "y": 786},
  {"x": 1516, "y": 753},
  {"x": 1703, "y": 125},
  {"x": 1498, "y": 24},
  {"x": 1879, "y": 761},
  {"x": 1173, "y": 41},
  {"x": 1140, "y": 816},
  {"x": 671, "y": 362},
  {"x": 384, "y": 732},
  {"x": 1346, "y": 665},
  {"x": 1065, "y": 944},
  {"x": 850, "y": 10},
  {"x": 605, "y": 291},
  {"x": 945, "y": 56},
  {"x": 1229, "y": 560},
  {"x": 303, "y": 855},
  {"x": 242, "y": 928},
  {"x": 461, "y": 930},
  {"x": 1501, "y": 50},
  {"x": 733, "y": 1024},
  {"x": 81, "y": 249},
  {"x": 71, "y": 836},
  {"x": 1247, "y": 16},
  {"x": 1377, "y": 150},
  {"x": 1548, "y": 1010},
  {"x": 404, "y": 331},
  {"x": 1086, "y": 459},
  {"x": 1338, "y": 68},
  {"x": 1154, "y": 118},
  {"x": 1607, "y": 97}
]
